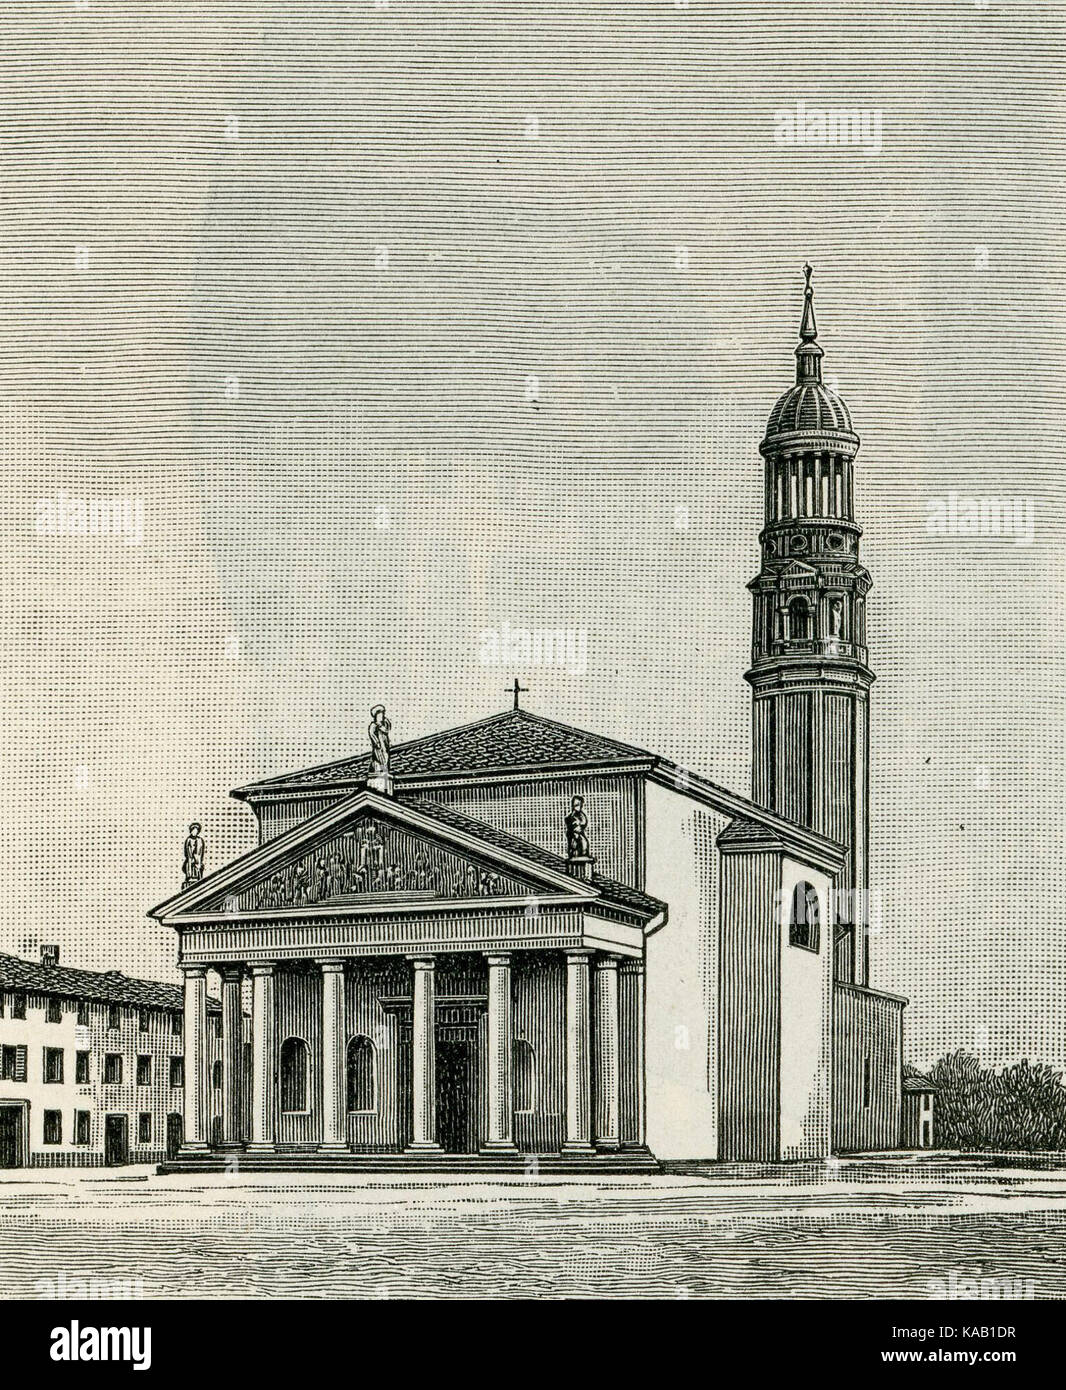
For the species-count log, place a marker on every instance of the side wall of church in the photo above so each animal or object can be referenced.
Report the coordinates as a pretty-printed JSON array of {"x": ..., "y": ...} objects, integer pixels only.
[
  {"x": 682, "y": 978},
  {"x": 806, "y": 1022},
  {"x": 868, "y": 1066}
]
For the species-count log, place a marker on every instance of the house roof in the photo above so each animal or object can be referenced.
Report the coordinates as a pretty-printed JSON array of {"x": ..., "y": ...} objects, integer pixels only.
[
  {"x": 110, "y": 986},
  {"x": 919, "y": 1083},
  {"x": 512, "y": 742}
]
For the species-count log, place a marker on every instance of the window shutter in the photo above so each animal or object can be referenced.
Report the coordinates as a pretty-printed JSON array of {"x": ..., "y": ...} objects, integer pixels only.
[{"x": 20, "y": 1063}]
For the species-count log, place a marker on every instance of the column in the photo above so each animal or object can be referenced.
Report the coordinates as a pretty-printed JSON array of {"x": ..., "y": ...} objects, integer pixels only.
[
  {"x": 231, "y": 1056},
  {"x": 334, "y": 1044},
  {"x": 197, "y": 1071},
  {"x": 423, "y": 1058},
  {"x": 606, "y": 1053},
  {"x": 631, "y": 1053},
  {"x": 264, "y": 1049},
  {"x": 500, "y": 1136},
  {"x": 578, "y": 1069}
]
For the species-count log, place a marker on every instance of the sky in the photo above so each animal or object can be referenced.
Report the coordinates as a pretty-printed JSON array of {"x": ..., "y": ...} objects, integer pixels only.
[{"x": 387, "y": 325}]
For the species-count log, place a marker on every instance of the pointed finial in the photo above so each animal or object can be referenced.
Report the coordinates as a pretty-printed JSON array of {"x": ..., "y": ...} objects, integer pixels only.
[{"x": 808, "y": 354}]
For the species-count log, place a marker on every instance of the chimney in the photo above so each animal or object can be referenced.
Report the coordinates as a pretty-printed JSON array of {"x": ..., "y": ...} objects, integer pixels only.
[{"x": 49, "y": 955}]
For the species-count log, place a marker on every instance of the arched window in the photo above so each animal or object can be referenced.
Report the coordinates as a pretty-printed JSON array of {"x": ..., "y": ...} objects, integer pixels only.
[
  {"x": 799, "y": 620},
  {"x": 361, "y": 1080},
  {"x": 295, "y": 1065},
  {"x": 525, "y": 1075},
  {"x": 803, "y": 927},
  {"x": 216, "y": 1076}
]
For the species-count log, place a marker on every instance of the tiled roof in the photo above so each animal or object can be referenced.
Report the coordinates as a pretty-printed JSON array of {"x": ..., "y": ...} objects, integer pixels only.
[
  {"x": 507, "y": 742},
  {"x": 614, "y": 893},
  {"x": 111, "y": 987}
]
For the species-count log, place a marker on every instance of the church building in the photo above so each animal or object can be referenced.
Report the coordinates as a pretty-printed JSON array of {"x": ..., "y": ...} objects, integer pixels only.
[{"x": 517, "y": 938}]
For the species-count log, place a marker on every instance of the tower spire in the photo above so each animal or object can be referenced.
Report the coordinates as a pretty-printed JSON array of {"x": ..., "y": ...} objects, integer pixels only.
[{"x": 808, "y": 354}]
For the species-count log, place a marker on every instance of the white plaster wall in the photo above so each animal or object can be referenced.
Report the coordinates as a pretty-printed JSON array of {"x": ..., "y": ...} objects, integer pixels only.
[{"x": 682, "y": 978}]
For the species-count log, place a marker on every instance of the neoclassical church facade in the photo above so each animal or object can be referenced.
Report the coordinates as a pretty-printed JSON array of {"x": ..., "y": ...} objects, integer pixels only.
[{"x": 518, "y": 942}]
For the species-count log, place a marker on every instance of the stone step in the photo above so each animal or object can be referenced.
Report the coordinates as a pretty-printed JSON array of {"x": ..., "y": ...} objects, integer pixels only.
[{"x": 634, "y": 1161}]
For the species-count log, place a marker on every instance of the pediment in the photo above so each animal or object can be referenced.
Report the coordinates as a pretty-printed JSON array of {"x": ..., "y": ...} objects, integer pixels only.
[
  {"x": 796, "y": 569},
  {"x": 366, "y": 852},
  {"x": 370, "y": 859}
]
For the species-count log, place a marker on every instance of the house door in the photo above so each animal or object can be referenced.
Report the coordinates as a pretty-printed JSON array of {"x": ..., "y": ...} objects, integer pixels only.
[
  {"x": 116, "y": 1140},
  {"x": 175, "y": 1134},
  {"x": 11, "y": 1118}
]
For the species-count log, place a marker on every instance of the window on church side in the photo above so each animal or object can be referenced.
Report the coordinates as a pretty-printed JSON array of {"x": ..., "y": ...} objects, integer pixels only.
[
  {"x": 360, "y": 1073},
  {"x": 295, "y": 1064},
  {"x": 803, "y": 927},
  {"x": 525, "y": 1076}
]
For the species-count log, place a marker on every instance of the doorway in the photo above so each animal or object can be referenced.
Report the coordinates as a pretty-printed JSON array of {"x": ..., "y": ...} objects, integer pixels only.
[
  {"x": 116, "y": 1140},
  {"x": 175, "y": 1133},
  {"x": 13, "y": 1135},
  {"x": 457, "y": 1089}
]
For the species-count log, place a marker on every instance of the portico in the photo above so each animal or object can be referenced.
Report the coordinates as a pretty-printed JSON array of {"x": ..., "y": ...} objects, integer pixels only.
[{"x": 419, "y": 1023}]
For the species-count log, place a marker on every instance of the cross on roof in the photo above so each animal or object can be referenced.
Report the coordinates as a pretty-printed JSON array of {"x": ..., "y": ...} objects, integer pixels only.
[{"x": 515, "y": 689}]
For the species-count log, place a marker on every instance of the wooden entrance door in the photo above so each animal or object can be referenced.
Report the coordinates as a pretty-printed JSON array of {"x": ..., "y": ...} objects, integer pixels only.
[
  {"x": 175, "y": 1133},
  {"x": 11, "y": 1120},
  {"x": 116, "y": 1140}
]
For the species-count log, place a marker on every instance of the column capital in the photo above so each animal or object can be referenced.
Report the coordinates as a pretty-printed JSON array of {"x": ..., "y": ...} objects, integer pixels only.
[
  {"x": 579, "y": 953},
  {"x": 498, "y": 957},
  {"x": 263, "y": 967},
  {"x": 631, "y": 965},
  {"x": 423, "y": 962},
  {"x": 194, "y": 972},
  {"x": 605, "y": 961},
  {"x": 231, "y": 974},
  {"x": 331, "y": 966}
]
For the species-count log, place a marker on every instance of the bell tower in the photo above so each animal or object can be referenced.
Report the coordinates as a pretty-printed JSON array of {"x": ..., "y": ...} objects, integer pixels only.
[{"x": 809, "y": 675}]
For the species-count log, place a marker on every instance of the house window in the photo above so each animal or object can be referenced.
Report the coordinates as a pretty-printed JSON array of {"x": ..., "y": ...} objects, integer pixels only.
[
  {"x": 144, "y": 1128},
  {"x": 53, "y": 1064},
  {"x": 81, "y": 1067},
  {"x": 295, "y": 1065},
  {"x": 176, "y": 1025},
  {"x": 53, "y": 1127},
  {"x": 54, "y": 1009},
  {"x": 83, "y": 1013},
  {"x": 114, "y": 1016},
  {"x": 805, "y": 919},
  {"x": 361, "y": 1079},
  {"x": 143, "y": 1019},
  {"x": 18, "y": 1004},
  {"x": 177, "y": 1072},
  {"x": 81, "y": 1126},
  {"x": 113, "y": 1068},
  {"x": 13, "y": 1063},
  {"x": 216, "y": 1075},
  {"x": 144, "y": 1071},
  {"x": 525, "y": 1075}
]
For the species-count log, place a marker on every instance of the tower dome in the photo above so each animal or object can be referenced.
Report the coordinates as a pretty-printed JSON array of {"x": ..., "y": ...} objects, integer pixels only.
[{"x": 809, "y": 408}]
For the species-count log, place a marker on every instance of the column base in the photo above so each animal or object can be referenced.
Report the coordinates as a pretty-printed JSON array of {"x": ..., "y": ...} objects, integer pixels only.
[
  {"x": 607, "y": 1145},
  {"x": 423, "y": 1146},
  {"x": 195, "y": 1146},
  {"x": 498, "y": 1146},
  {"x": 231, "y": 1146},
  {"x": 334, "y": 1146},
  {"x": 578, "y": 1146},
  {"x": 260, "y": 1146}
]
